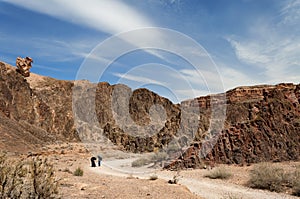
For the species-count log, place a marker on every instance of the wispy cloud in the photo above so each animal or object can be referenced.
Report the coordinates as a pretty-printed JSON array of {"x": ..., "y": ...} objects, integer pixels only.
[
  {"x": 61, "y": 50},
  {"x": 139, "y": 79},
  {"x": 276, "y": 50},
  {"x": 250, "y": 52},
  {"x": 49, "y": 68},
  {"x": 53, "y": 49},
  {"x": 183, "y": 84},
  {"x": 112, "y": 17},
  {"x": 105, "y": 15},
  {"x": 290, "y": 13},
  {"x": 233, "y": 78}
]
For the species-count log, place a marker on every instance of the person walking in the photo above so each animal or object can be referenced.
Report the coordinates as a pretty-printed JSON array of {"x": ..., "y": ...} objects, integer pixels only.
[
  {"x": 99, "y": 160},
  {"x": 93, "y": 164}
]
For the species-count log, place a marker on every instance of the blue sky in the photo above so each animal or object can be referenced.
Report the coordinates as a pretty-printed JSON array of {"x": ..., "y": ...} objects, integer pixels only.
[{"x": 245, "y": 42}]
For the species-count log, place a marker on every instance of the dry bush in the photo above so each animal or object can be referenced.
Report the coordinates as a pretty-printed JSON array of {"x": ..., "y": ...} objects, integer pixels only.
[
  {"x": 219, "y": 173},
  {"x": 159, "y": 156},
  {"x": 42, "y": 176},
  {"x": 296, "y": 182},
  {"x": 268, "y": 176},
  {"x": 140, "y": 162},
  {"x": 11, "y": 178},
  {"x": 154, "y": 158},
  {"x": 27, "y": 178},
  {"x": 78, "y": 172}
]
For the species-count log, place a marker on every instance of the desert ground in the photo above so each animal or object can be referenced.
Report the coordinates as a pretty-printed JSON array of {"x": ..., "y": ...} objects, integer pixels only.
[{"x": 115, "y": 178}]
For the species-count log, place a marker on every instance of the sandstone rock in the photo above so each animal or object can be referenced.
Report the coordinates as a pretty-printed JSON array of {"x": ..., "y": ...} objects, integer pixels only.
[{"x": 24, "y": 65}]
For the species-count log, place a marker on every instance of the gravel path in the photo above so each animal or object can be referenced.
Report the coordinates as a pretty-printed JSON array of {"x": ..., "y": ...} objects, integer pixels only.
[{"x": 203, "y": 187}]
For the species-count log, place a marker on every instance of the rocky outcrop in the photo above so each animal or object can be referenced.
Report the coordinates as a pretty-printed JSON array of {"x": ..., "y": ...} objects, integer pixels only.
[
  {"x": 42, "y": 114},
  {"x": 137, "y": 121},
  {"x": 24, "y": 65},
  {"x": 262, "y": 123}
]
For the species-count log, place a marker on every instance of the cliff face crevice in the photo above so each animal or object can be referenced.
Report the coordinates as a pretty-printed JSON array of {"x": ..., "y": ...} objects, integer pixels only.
[{"x": 262, "y": 122}]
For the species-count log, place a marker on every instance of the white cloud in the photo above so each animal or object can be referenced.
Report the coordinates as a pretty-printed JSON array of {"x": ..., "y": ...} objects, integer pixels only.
[
  {"x": 275, "y": 49},
  {"x": 113, "y": 17},
  {"x": 190, "y": 93},
  {"x": 280, "y": 61},
  {"x": 210, "y": 81},
  {"x": 290, "y": 13},
  {"x": 178, "y": 85},
  {"x": 49, "y": 68},
  {"x": 140, "y": 79},
  {"x": 233, "y": 78},
  {"x": 166, "y": 80},
  {"x": 250, "y": 52},
  {"x": 53, "y": 49},
  {"x": 105, "y": 15}
]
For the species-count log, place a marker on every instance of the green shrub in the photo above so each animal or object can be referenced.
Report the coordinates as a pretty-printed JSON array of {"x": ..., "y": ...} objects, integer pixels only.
[
  {"x": 268, "y": 176},
  {"x": 219, "y": 173},
  {"x": 78, "y": 172}
]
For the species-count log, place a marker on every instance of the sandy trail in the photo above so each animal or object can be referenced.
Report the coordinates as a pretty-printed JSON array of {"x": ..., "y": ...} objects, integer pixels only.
[{"x": 203, "y": 187}]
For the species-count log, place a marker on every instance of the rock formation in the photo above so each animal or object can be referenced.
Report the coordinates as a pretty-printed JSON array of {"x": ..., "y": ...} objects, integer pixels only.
[
  {"x": 262, "y": 122},
  {"x": 42, "y": 114},
  {"x": 24, "y": 65}
]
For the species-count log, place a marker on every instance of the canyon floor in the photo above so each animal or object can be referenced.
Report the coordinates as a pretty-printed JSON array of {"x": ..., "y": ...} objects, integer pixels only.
[{"x": 117, "y": 179}]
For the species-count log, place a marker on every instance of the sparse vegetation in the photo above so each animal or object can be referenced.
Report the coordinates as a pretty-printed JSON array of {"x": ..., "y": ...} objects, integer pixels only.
[
  {"x": 219, "y": 173},
  {"x": 27, "y": 178},
  {"x": 42, "y": 173},
  {"x": 270, "y": 177},
  {"x": 159, "y": 156},
  {"x": 155, "y": 158},
  {"x": 140, "y": 162},
  {"x": 78, "y": 172},
  {"x": 296, "y": 182}
]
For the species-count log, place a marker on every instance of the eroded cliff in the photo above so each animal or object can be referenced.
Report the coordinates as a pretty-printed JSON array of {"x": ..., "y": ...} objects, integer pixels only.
[{"x": 262, "y": 123}]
